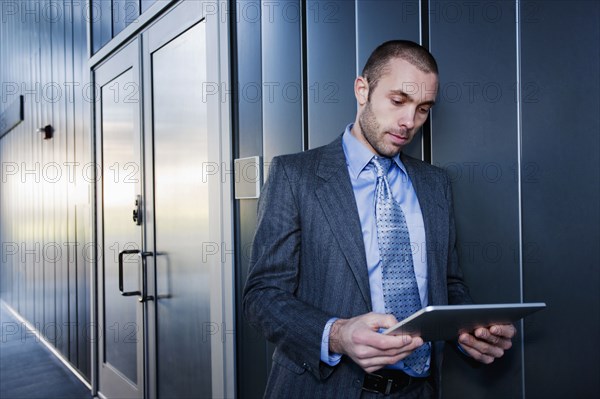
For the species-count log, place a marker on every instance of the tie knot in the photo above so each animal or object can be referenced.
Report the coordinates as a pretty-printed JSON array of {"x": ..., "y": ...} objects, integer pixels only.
[{"x": 382, "y": 165}]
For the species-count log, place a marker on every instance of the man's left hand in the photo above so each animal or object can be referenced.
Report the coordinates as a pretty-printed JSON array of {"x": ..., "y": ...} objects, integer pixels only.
[{"x": 488, "y": 344}]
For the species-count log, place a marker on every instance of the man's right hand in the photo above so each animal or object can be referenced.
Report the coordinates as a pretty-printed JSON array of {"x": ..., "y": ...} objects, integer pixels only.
[{"x": 359, "y": 338}]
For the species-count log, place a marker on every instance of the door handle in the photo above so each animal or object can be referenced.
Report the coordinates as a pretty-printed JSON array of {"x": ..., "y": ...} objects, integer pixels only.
[
  {"x": 121, "y": 254},
  {"x": 143, "y": 296}
]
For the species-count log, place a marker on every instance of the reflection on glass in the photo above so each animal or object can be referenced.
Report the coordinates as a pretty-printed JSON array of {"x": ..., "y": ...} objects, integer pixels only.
[{"x": 121, "y": 179}]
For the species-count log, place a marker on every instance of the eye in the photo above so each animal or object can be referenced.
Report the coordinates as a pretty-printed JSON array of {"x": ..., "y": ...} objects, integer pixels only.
[
  {"x": 424, "y": 110},
  {"x": 397, "y": 101}
]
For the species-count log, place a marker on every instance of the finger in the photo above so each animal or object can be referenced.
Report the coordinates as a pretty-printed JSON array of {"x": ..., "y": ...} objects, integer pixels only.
[
  {"x": 487, "y": 335},
  {"x": 406, "y": 349},
  {"x": 379, "y": 320},
  {"x": 392, "y": 342},
  {"x": 503, "y": 330},
  {"x": 505, "y": 344},
  {"x": 375, "y": 363},
  {"x": 475, "y": 354},
  {"x": 496, "y": 336},
  {"x": 481, "y": 346},
  {"x": 367, "y": 355}
]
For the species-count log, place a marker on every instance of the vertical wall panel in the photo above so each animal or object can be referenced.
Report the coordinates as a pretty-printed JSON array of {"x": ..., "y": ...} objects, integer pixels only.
[
  {"x": 30, "y": 187},
  {"x": 475, "y": 139},
  {"x": 70, "y": 303},
  {"x": 124, "y": 12},
  {"x": 66, "y": 106},
  {"x": 252, "y": 350},
  {"x": 382, "y": 20},
  {"x": 378, "y": 21},
  {"x": 51, "y": 93},
  {"x": 16, "y": 189},
  {"x": 82, "y": 195},
  {"x": 281, "y": 78},
  {"x": 3, "y": 243},
  {"x": 101, "y": 23},
  {"x": 26, "y": 301},
  {"x": 561, "y": 171},
  {"x": 331, "y": 63},
  {"x": 249, "y": 76},
  {"x": 39, "y": 115},
  {"x": 49, "y": 267},
  {"x": 53, "y": 250}
]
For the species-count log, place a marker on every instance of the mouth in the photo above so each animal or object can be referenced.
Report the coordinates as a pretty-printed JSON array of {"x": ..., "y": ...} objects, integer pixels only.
[{"x": 399, "y": 138}]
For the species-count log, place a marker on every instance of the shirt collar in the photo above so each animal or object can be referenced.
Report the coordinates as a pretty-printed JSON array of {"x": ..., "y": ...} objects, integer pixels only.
[{"x": 358, "y": 155}]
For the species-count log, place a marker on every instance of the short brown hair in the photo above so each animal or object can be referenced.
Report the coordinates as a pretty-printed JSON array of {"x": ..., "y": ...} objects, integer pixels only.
[{"x": 406, "y": 50}]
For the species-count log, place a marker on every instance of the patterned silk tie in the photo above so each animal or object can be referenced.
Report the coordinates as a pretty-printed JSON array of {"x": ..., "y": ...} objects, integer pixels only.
[{"x": 400, "y": 291}]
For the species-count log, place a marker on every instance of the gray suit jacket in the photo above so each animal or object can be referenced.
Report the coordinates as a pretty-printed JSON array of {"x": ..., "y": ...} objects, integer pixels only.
[{"x": 308, "y": 264}]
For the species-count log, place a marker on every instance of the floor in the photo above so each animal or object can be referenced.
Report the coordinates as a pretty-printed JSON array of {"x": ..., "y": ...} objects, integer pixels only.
[{"x": 28, "y": 370}]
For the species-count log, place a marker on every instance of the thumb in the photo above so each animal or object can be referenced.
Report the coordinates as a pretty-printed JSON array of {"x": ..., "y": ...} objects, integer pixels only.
[{"x": 387, "y": 321}]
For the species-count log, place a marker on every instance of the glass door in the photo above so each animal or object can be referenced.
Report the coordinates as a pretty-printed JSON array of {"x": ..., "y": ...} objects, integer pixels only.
[
  {"x": 175, "y": 69},
  {"x": 161, "y": 331},
  {"x": 120, "y": 261}
]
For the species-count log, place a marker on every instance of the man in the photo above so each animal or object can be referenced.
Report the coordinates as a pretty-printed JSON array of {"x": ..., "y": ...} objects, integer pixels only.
[{"x": 355, "y": 235}]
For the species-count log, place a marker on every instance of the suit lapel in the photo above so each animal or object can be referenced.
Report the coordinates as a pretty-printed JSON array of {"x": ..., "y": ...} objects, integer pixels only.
[
  {"x": 336, "y": 196},
  {"x": 430, "y": 209}
]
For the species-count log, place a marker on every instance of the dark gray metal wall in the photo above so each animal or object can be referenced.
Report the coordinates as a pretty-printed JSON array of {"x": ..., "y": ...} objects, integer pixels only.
[
  {"x": 560, "y": 183},
  {"x": 516, "y": 127},
  {"x": 475, "y": 138}
]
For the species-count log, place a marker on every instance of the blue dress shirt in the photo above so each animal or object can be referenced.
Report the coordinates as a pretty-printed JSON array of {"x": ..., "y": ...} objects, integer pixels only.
[{"x": 364, "y": 179}]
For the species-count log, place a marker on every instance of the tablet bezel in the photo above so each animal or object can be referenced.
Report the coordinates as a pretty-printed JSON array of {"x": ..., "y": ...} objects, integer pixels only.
[{"x": 445, "y": 322}]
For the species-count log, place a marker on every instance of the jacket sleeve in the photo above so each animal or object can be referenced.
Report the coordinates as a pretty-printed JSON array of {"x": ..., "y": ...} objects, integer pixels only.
[{"x": 269, "y": 302}]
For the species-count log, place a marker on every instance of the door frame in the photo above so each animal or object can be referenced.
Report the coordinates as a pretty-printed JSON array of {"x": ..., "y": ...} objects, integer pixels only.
[
  {"x": 223, "y": 273},
  {"x": 222, "y": 308}
]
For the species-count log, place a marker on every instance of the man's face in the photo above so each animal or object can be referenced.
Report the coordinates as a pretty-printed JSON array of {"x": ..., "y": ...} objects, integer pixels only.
[{"x": 397, "y": 108}]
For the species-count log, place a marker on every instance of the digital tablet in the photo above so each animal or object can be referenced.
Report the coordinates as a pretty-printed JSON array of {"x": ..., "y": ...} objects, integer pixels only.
[{"x": 440, "y": 323}]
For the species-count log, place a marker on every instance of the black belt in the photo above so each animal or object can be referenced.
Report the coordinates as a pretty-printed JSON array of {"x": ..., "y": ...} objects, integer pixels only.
[{"x": 387, "y": 381}]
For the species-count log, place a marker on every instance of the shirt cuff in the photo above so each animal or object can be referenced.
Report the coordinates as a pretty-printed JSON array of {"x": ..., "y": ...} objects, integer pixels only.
[
  {"x": 460, "y": 348},
  {"x": 331, "y": 359}
]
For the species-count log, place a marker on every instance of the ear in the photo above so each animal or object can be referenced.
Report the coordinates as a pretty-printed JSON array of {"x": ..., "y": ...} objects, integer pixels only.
[{"x": 361, "y": 90}]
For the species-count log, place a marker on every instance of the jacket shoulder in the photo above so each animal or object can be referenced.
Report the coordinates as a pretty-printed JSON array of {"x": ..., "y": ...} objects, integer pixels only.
[
  {"x": 305, "y": 162},
  {"x": 424, "y": 167}
]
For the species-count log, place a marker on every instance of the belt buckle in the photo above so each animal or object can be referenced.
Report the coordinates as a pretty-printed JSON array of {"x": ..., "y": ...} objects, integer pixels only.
[
  {"x": 373, "y": 381},
  {"x": 388, "y": 387}
]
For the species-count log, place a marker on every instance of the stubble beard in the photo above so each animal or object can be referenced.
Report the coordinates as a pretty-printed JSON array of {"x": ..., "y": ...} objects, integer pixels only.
[{"x": 372, "y": 132}]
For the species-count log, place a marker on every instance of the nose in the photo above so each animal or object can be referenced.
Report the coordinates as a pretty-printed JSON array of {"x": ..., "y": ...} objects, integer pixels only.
[{"x": 407, "y": 118}]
